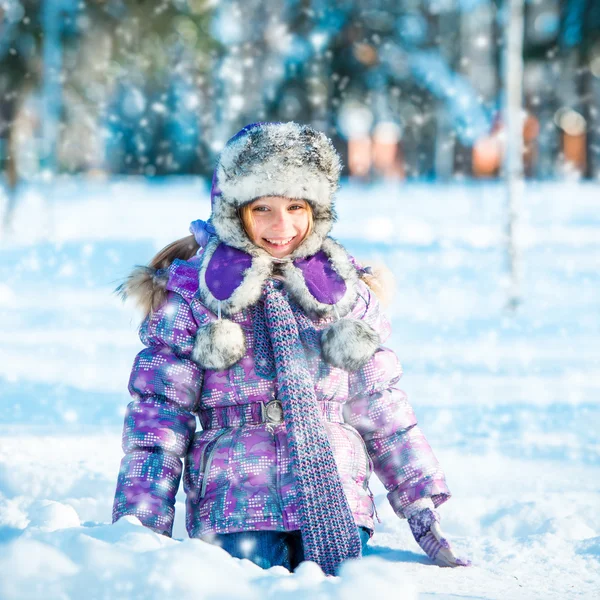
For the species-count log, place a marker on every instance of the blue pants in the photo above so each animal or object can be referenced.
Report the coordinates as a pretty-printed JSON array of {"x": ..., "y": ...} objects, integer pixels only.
[{"x": 269, "y": 548}]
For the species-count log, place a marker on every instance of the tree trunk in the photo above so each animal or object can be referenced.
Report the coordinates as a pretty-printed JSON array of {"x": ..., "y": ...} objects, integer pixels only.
[{"x": 513, "y": 156}]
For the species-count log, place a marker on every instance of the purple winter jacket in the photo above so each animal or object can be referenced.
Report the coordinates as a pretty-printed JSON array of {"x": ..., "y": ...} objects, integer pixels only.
[{"x": 238, "y": 478}]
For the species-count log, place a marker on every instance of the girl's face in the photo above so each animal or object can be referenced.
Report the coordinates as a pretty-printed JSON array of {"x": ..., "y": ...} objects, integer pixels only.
[{"x": 278, "y": 224}]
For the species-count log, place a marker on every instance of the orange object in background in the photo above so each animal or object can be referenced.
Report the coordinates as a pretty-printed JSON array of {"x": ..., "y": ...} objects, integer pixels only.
[
  {"x": 386, "y": 156},
  {"x": 531, "y": 128},
  {"x": 488, "y": 152},
  {"x": 574, "y": 150},
  {"x": 359, "y": 156},
  {"x": 487, "y": 156},
  {"x": 379, "y": 152},
  {"x": 574, "y": 134}
]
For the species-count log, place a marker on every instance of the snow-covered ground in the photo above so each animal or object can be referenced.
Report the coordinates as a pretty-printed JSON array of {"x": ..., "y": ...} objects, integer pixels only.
[{"x": 510, "y": 402}]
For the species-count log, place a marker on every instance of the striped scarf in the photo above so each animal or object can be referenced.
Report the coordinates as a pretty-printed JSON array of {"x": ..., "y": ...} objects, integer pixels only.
[{"x": 329, "y": 533}]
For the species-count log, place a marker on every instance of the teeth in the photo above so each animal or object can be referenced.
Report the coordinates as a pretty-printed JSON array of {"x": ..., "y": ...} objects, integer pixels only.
[{"x": 280, "y": 242}]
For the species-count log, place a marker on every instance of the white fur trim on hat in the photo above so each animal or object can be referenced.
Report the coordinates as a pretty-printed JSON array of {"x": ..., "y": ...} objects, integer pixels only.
[{"x": 279, "y": 159}]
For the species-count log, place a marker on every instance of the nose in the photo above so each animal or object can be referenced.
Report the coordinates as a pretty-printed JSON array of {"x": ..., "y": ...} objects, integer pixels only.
[{"x": 280, "y": 220}]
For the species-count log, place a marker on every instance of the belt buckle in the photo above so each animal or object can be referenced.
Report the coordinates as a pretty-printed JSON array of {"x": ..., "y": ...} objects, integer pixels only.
[{"x": 272, "y": 413}]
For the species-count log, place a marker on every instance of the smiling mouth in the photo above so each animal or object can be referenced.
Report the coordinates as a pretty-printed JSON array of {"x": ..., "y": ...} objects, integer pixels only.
[{"x": 280, "y": 243}]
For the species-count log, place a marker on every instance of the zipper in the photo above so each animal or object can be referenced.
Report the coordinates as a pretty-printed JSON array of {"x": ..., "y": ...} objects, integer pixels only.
[{"x": 206, "y": 469}]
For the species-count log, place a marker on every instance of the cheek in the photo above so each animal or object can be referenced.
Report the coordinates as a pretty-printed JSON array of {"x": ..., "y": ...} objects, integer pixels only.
[
  {"x": 262, "y": 228},
  {"x": 258, "y": 226},
  {"x": 302, "y": 223}
]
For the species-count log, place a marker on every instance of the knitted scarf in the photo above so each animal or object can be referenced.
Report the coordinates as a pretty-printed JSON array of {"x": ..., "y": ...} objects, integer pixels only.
[{"x": 329, "y": 533}]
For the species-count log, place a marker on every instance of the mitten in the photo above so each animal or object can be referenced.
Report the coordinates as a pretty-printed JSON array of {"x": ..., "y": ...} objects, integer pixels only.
[{"x": 425, "y": 527}]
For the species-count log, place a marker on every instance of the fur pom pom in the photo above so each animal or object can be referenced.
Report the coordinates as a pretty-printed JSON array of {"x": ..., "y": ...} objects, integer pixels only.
[
  {"x": 381, "y": 281},
  {"x": 219, "y": 345},
  {"x": 349, "y": 344}
]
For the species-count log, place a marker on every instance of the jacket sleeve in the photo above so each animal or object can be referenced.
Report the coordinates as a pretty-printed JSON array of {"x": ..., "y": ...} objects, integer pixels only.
[
  {"x": 381, "y": 413},
  {"x": 159, "y": 425}
]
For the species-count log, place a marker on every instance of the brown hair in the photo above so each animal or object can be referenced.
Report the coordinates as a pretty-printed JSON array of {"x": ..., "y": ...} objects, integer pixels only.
[
  {"x": 247, "y": 218},
  {"x": 183, "y": 249},
  {"x": 147, "y": 285}
]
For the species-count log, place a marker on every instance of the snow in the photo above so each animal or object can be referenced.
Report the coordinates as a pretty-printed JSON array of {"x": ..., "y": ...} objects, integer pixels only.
[{"x": 509, "y": 402}]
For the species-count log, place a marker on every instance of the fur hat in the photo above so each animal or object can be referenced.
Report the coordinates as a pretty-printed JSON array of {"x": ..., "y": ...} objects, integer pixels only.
[{"x": 275, "y": 159}]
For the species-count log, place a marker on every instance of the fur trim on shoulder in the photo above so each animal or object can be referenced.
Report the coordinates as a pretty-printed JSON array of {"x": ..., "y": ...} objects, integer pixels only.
[
  {"x": 146, "y": 286},
  {"x": 381, "y": 281}
]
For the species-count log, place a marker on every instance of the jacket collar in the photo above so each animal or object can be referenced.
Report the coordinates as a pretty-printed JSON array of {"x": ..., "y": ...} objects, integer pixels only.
[{"x": 324, "y": 284}]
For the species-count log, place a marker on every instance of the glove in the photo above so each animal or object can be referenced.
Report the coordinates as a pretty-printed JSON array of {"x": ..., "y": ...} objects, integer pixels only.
[{"x": 425, "y": 527}]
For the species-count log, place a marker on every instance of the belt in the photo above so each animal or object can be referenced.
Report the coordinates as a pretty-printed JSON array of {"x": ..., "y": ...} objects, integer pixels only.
[{"x": 255, "y": 413}]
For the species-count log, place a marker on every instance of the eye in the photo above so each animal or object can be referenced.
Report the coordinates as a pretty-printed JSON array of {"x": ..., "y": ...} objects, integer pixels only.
[
  {"x": 260, "y": 209},
  {"x": 296, "y": 207}
]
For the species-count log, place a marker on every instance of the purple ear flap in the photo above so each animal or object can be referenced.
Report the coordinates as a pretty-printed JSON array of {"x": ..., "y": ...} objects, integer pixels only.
[
  {"x": 324, "y": 284},
  {"x": 225, "y": 271}
]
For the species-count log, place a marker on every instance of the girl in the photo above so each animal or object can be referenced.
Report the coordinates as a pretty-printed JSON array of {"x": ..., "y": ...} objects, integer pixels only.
[{"x": 263, "y": 327}]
